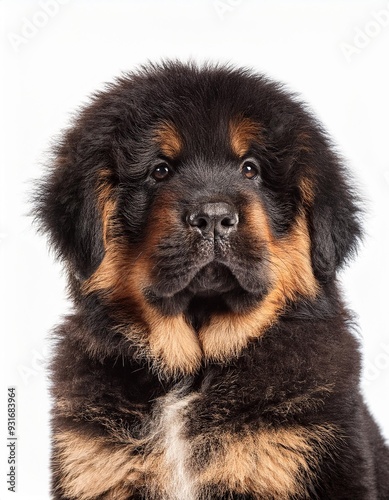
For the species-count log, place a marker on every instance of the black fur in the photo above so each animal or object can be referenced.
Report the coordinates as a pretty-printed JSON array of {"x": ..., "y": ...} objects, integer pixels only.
[{"x": 303, "y": 370}]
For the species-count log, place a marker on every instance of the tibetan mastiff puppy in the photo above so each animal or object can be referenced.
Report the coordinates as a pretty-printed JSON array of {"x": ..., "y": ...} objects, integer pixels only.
[{"x": 202, "y": 214}]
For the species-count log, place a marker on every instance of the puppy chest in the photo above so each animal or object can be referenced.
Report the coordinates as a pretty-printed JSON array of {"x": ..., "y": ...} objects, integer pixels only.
[
  {"x": 175, "y": 477},
  {"x": 265, "y": 463}
]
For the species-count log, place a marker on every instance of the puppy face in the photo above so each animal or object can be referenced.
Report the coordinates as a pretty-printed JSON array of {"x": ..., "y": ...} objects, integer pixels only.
[
  {"x": 206, "y": 226},
  {"x": 199, "y": 236},
  {"x": 185, "y": 192}
]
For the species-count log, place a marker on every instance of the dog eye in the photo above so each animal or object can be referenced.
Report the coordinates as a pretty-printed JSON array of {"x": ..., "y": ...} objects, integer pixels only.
[
  {"x": 250, "y": 169},
  {"x": 161, "y": 172}
]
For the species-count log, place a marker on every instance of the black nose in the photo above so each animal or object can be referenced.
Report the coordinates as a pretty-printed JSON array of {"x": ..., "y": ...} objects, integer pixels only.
[{"x": 214, "y": 219}]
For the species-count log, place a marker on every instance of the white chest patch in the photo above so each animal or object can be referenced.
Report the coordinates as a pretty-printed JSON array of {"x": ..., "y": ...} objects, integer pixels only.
[{"x": 177, "y": 447}]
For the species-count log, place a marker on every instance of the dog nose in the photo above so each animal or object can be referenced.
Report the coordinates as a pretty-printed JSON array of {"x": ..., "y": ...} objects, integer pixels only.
[{"x": 214, "y": 219}]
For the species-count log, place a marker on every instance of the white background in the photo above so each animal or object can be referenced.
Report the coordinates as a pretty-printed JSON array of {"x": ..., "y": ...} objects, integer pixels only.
[{"x": 51, "y": 62}]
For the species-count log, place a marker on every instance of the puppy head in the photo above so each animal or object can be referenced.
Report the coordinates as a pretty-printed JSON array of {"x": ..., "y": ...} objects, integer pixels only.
[{"x": 179, "y": 183}]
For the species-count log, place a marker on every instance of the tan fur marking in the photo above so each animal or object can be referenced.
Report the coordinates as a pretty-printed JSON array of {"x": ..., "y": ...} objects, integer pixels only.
[
  {"x": 124, "y": 274},
  {"x": 106, "y": 203},
  {"x": 171, "y": 342},
  {"x": 244, "y": 131},
  {"x": 307, "y": 190},
  {"x": 125, "y": 270},
  {"x": 269, "y": 463},
  {"x": 292, "y": 275},
  {"x": 304, "y": 142},
  {"x": 92, "y": 466},
  {"x": 174, "y": 343},
  {"x": 169, "y": 140},
  {"x": 107, "y": 277},
  {"x": 273, "y": 463}
]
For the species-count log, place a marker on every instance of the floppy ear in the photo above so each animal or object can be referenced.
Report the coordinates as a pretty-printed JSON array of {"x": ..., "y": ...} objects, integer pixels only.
[
  {"x": 334, "y": 219},
  {"x": 334, "y": 209},
  {"x": 67, "y": 203}
]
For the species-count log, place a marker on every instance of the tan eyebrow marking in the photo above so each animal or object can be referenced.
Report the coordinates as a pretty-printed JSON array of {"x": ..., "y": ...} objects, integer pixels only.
[
  {"x": 244, "y": 131},
  {"x": 169, "y": 140}
]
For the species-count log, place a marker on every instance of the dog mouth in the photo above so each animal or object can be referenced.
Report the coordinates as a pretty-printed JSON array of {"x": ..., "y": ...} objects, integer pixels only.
[
  {"x": 210, "y": 268},
  {"x": 210, "y": 279},
  {"x": 213, "y": 279}
]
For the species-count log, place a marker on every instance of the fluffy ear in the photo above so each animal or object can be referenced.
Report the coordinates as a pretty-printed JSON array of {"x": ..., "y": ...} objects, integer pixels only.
[
  {"x": 68, "y": 205},
  {"x": 334, "y": 219}
]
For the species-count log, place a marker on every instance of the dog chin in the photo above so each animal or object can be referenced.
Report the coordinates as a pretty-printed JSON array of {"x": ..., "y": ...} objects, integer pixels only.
[
  {"x": 214, "y": 286},
  {"x": 213, "y": 279}
]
